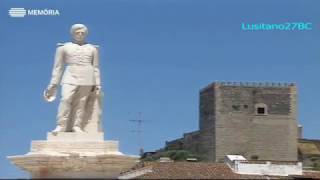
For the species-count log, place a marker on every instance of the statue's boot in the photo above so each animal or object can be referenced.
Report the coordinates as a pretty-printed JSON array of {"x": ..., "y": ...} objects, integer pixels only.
[
  {"x": 77, "y": 129},
  {"x": 59, "y": 129}
]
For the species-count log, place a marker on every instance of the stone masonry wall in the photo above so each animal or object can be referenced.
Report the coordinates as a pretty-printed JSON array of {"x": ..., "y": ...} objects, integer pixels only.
[
  {"x": 229, "y": 124},
  {"x": 238, "y": 130},
  {"x": 206, "y": 123}
]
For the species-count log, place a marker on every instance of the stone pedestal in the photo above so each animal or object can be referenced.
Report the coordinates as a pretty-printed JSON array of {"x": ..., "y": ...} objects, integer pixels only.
[{"x": 74, "y": 155}]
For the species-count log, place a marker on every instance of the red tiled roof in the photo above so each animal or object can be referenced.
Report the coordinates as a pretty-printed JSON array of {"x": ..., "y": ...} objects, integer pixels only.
[
  {"x": 311, "y": 174},
  {"x": 201, "y": 170},
  {"x": 192, "y": 170}
]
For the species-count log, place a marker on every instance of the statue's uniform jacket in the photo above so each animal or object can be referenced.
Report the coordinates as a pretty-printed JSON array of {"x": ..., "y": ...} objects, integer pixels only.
[
  {"x": 82, "y": 65},
  {"x": 76, "y": 68}
]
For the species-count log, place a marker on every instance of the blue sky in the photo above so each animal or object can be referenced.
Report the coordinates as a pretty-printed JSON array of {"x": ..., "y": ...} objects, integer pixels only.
[{"x": 155, "y": 57}]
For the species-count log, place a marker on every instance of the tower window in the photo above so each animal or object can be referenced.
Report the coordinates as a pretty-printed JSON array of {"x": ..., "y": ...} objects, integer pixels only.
[
  {"x": 236, "y": 107},
  {"x": 254, "y": 157},
  {"x": 261, "y": 109}
]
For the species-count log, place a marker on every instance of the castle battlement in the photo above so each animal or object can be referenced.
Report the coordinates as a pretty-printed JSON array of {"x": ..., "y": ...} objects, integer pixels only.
[{"x": 250, "y": 84}]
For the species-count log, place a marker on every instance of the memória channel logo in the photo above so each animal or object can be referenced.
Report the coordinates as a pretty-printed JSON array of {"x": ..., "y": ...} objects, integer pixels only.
[
  {"x": 287, "y": 26},
  {"x": 19, "y": 12}
]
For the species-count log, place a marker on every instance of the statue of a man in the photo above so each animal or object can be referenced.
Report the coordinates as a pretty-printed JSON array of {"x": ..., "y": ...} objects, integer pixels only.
[{"x": 78, "y": 62}]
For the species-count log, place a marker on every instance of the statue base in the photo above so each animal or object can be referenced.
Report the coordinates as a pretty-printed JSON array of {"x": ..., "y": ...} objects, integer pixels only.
[{"x": 74, "y": 155}]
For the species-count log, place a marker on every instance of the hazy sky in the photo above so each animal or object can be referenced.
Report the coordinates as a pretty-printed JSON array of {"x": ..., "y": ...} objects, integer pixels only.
[{"x": 155, "y": 57}]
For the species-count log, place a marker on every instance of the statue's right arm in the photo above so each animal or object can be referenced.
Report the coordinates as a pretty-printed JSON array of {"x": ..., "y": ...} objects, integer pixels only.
[{"x": 58, "y": 66}]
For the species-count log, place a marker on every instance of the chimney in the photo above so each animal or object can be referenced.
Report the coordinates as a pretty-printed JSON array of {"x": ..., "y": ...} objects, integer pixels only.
[{"x": 300, "y": 135}]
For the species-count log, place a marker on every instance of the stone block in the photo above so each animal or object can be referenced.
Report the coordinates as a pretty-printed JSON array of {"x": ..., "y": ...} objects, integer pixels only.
[{"x": 75, "y": 137}]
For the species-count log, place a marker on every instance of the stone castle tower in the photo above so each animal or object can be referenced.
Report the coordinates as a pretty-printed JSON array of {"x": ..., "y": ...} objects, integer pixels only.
[
  {"x": 256, "y": 120},
  {"x": 251, "y": 119}
]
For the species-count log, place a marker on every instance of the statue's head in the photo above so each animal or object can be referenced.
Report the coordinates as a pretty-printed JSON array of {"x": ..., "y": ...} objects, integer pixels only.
[{"x": 79, "y": 32}]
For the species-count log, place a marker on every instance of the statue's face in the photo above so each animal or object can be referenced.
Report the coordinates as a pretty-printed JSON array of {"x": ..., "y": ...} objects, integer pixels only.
[{"x": 79, "y": 35}]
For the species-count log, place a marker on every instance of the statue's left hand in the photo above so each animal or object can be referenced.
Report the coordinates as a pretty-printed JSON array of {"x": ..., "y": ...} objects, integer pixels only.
[{"x": 50, "y": 93}]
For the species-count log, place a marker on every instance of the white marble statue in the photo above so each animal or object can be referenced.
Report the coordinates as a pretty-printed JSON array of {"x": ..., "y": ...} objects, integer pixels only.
[
  {"x": 76, "y": 147},
  {"x": 76, "y": 68}
]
